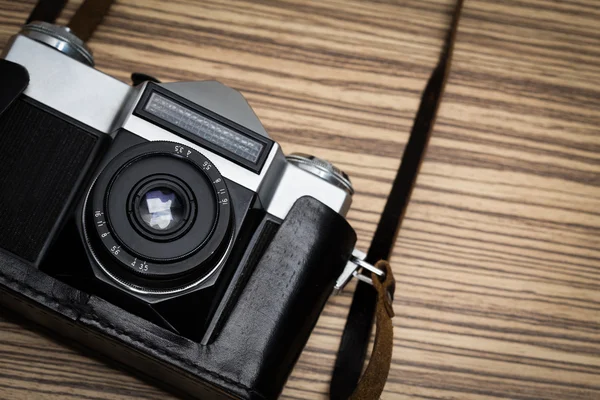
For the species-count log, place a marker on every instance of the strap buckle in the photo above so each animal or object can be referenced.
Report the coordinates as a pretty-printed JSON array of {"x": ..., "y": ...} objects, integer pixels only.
[{"x": 353, "y": 268}]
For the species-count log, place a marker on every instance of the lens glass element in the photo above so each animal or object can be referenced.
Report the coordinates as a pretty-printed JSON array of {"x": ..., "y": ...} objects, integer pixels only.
[{"x": 161, "y": 209}]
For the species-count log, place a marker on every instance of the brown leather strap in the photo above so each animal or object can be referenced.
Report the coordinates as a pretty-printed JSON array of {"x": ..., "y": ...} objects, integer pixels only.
[{"x": 373, "y": 380}]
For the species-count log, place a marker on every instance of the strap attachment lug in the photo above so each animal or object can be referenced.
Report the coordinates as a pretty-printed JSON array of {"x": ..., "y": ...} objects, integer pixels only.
[{"x": 354, "y": 268}]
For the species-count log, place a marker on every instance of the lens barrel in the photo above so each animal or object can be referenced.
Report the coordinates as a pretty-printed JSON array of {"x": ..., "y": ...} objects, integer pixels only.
[{"x": 158, "y": 217}]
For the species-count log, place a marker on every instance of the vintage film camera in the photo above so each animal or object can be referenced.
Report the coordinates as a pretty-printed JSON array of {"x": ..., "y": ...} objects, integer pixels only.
[
  {"x": 159, "y": 224},
  {"x": 151, "y": 196}
]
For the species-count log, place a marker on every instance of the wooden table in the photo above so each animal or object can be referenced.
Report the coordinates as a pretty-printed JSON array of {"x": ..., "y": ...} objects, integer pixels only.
[{"x": 498, "y": 259}]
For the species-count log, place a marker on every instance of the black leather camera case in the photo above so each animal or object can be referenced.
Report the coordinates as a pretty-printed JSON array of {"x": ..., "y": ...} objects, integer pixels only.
[{"x": 257, "y": 347}]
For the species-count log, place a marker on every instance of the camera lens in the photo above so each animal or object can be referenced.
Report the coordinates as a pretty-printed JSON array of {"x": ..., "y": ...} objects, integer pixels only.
[
  {"x": 161, "y": 209},
  {"x": 160, "y": 216}
]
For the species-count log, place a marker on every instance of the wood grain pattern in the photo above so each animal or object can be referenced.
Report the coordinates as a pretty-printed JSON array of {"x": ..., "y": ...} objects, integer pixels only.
[{"x": 498, "y": 259}]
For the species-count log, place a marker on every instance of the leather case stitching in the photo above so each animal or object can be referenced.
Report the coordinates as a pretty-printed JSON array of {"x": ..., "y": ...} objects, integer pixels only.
[{"x": 77, "y": 308}]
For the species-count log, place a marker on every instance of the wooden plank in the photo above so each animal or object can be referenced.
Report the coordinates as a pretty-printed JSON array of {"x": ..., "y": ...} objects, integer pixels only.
[{"x": 497, "y": 261}]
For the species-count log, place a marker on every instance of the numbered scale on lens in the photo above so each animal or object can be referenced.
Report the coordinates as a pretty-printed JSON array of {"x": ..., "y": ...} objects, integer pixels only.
[
  {"x": 148, "y": 176},
  {"x": 114, "y": 248}
]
